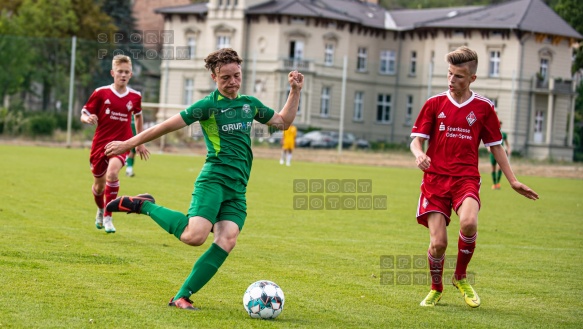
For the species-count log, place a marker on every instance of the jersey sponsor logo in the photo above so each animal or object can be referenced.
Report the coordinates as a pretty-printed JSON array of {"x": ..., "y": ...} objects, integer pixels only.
[
  {"x": 441, "y": 116},
  {"x": 230, "y": 127},
  {"x": 130, "y": 105},
  {"x": 442, "y": 127},
  {"x": 471, "y": 118},
  {"x": 107, "y": 101},
  {"x": 457, "y": 132},
  {"x": 107, "y": 110}
]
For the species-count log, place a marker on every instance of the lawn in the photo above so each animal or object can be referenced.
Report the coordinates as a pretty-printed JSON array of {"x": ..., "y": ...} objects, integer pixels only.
[{"x": 338, "y": 268}]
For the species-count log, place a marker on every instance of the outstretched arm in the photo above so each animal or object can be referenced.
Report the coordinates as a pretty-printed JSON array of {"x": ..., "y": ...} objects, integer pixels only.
[
  {"x": 286, "y": 116},
  {"x": 173, "y": 123},
  {"x": 502, "y": 159},
  {"x": 421, "y": 159}
]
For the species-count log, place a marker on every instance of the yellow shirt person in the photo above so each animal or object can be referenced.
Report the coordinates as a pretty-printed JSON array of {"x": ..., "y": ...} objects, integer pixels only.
[{"x": 288, "y": 143}]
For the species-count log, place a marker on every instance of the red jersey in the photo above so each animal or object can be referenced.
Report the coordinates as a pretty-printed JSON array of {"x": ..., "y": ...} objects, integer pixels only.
[
  {"x": 114, "y": 113},
  {"x": 454, "y": 132}
]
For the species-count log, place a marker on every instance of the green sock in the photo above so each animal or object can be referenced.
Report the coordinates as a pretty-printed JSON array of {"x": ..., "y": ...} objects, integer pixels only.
[
  {"x": 130, "y": 162},
  {"x": 172, "y": 221},
  {"x": 494, "y": 177},
  {"x": 499, "y": 176},
  {"x": 204, "y": 269}
]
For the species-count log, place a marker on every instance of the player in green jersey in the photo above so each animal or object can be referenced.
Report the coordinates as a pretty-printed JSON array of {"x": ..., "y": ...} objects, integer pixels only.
[
  {"x": 132, "y": 155},
  {"x": 496, "y": 171},
  {"x": 218, "y": 202}
]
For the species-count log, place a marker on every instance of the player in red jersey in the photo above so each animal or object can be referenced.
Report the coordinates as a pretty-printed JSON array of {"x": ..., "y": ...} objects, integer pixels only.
[
  {"x": 110, "y": 108},
  {"x": 454, "y": 123}
]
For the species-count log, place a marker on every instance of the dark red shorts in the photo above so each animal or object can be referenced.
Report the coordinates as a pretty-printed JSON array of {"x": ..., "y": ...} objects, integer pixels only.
[
  {"x": 99, "y": 163},
  {"x": 441, "y": 193}
]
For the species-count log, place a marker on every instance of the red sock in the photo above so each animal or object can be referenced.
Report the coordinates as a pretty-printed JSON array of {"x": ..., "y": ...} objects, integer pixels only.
[
  {"x": 436, "y": 271},
  {"x": 98, "y": 199},
  {"x": 466, "y": 246},
  {"x": 111, "y": 189}
]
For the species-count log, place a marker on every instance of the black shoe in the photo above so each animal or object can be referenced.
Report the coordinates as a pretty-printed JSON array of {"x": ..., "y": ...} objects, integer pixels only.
[{"x": 129, "y": 204}]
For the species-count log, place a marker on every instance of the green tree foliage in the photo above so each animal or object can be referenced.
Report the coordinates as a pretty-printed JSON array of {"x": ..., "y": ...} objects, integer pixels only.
[
  {"x": 35, "y": 36},
  {"x": 572, "y": 12}
]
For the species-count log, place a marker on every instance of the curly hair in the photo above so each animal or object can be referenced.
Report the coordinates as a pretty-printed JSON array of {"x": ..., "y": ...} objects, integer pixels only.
[
  {"x": 463, "y": 55},
  {"x": 221, "y": 57}
]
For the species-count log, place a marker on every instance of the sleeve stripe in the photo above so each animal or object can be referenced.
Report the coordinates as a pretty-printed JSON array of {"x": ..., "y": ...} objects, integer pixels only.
[
  {"x": 493, "y": 143},
  {"x": 413, "y": 135}
]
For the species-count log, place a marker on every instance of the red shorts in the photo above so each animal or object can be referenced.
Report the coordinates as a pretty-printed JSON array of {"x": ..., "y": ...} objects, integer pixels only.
[
  {"x": 441, "y": 193},
  {"x": 99, "y": 163}
]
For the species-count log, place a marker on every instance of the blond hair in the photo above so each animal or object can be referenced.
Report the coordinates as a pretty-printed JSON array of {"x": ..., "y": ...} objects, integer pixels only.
[
  {"x": 119, "y": 59},
  {"x": 463, "y": 55}
]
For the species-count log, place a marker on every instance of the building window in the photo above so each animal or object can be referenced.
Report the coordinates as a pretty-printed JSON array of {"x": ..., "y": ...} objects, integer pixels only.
[
  {"x": 384, "y": 108},
  {"x": 223, "y": 41},
  {"x": 358, "y": 105},
  {"x": 329, "y": 54},
  {"x": 191, "y": 46},
  {"x": 325, "y": 103},
  {"x": 361, "y": 61},
  {"x": 494, "y": 64},
  {"x": 544, "y": 69},
  {"x": 188, "y": 91},
  {"x": 388, "y": 62},
  {"x": 413, "y": 64},
  {"x": 409, "y": 112}
]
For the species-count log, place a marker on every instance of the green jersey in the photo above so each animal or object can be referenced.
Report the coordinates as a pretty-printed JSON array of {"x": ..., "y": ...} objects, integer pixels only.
[{"x": 226, "y": 125}]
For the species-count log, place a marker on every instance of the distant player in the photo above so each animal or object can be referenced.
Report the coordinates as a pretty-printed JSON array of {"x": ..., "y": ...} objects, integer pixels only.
[
  {"x": 131, "y": 155},
  {"x": 110, "y": 108},
  {"x": 218, "y": 202},
  {"x": 288, "y": 143},
  {"x": 496, "y": 170},
  {"x": 455, "y": 122}
]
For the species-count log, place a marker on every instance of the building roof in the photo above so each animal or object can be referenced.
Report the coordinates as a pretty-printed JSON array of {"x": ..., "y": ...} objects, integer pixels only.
[
  {"x": 406, "y": 19},
  {"x": 524, "y": 15},
  {"x": 195, "y": 8},
  {"x": 354, "y": 11}
]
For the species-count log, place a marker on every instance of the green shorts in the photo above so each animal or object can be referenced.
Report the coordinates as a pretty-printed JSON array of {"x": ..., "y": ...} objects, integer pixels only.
[
  {"x": 492, "y": 159},
  {"x": 217, "y": 201}
]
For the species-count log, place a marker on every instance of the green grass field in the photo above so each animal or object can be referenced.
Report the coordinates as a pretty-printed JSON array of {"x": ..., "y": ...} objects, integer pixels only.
[{"x": 58, "y": 271}]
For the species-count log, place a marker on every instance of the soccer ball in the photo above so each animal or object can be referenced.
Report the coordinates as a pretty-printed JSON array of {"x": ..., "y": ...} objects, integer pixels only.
[{"x": 263, "y": 299}]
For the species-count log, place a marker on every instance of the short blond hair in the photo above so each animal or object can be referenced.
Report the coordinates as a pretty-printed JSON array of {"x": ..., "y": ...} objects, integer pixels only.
[
  {"x": 463, "y": 55},
  {"x": 119, "y": 59}
]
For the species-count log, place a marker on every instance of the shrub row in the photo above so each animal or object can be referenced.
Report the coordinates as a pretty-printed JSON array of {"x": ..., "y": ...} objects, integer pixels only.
[{"x": 33, "y": 124}]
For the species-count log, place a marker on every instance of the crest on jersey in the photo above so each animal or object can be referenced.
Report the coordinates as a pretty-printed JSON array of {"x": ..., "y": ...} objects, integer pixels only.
[
  {"x": 471, "y": 118},
  {"x": 246, "y": 108},
  {"x": 130, "y": 105}
]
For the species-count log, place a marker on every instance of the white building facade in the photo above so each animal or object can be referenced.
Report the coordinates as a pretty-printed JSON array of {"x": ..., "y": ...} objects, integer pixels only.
[{"x": 395, "y": 61}]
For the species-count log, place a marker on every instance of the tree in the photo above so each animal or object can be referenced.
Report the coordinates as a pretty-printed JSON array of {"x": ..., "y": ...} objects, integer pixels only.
[{"x": 572, "y": 12}]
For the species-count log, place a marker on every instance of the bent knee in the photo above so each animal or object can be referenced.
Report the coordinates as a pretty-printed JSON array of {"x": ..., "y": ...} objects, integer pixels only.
[{"x": 226, "y": 243}]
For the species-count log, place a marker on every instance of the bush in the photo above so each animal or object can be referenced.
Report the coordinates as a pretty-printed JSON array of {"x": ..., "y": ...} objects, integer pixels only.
[
  {"x": 41, "y": 125},
  {"x": 62, "y": 122},
  {"x": 11, "y": 122}
]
